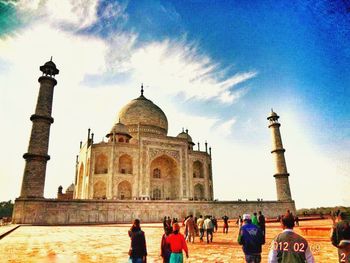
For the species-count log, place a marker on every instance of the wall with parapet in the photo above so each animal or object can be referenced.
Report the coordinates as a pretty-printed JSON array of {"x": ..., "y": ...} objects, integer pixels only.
[{"x": 68, "y": 212}]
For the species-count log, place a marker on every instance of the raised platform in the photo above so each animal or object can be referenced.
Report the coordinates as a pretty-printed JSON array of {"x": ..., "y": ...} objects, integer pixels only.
[{"x": 70, "y": 212}]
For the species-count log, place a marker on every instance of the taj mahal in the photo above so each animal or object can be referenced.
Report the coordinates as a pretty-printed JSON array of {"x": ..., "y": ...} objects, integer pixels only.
[
  {"x": 140, "y": 160},
  {"x": 138, "y": 171}
]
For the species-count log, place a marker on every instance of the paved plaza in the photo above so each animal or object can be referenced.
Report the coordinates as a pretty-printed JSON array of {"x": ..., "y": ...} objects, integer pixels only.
[{"x": 110, "y": 243}]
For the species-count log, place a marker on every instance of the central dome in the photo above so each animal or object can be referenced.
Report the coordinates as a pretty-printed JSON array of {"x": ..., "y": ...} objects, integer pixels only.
[{"x": 143, "y": 114}]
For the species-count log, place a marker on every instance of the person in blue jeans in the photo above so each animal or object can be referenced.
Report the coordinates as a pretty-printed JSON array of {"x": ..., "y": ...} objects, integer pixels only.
[{"x": 251, "y": 239}]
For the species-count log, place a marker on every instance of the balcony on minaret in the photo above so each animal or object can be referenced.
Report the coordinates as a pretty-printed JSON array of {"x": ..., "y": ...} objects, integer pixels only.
[
  {"x": 49, "y": 69},
  {"x": 273, "y": 118}
]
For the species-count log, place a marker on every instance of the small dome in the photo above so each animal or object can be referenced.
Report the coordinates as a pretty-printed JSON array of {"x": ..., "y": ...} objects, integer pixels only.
[
  {"x": 119, "y": 128},
  {"x": 142, "y": 111},
  {"x": 49, "y": 68},
  {"x": 70, "y": 188},
  {"x": 186, "y": 136},
  {"x": 273, "y": 115}
]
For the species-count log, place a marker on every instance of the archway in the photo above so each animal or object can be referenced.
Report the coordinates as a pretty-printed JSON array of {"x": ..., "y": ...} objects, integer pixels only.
[
  {"x": 198, "y": 170},
  {"x": 124, "y": 191},
  {"x": 99, "y": 190},
  {"x": 164, "y": 175},
  {"x": 198, "y": 192},
  {"x": 101, "y": 164},
  {"x": 156, "y": 194},
  {"x": 79, "y": 194},
  {"x": 125, "y": 164}
]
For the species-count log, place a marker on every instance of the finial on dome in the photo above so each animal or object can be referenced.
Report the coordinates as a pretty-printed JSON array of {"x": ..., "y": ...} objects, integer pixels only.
[
  {"x": 51, "y": 58},
  {"x": 141, "y": 89},
  {"x": 183, "y": 130}
]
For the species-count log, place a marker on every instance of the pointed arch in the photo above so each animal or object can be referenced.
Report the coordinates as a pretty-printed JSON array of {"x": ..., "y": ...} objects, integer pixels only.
[
  {"x": 125, "y": 164},
  {"x": 198, "y": 171},
  {"x": 124, "y": 191},
  {"x": 164, "y": 171},
  {"x": 99, "y": 190},
  {"x": 80, "y": 181},
  {"x": 101, "y": 164},
  {"x": 198, "y": 192}
]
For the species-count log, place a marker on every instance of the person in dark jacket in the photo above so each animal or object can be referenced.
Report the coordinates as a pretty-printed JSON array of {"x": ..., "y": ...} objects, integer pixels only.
[
  {"x": 138, "y": 251},
  {"x": 261, "y": 223},
  {"x": 250, "y": 237},
  {"x": 341, "y": 237}
]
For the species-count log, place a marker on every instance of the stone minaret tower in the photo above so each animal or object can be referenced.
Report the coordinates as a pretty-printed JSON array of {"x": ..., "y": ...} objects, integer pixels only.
[
  {"x": 281, "y": 175},
  {"x": 36, "y": 158}
]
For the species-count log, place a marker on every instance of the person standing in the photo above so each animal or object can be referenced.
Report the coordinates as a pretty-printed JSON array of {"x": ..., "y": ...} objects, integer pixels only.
[
  {"x": 288, "y": 246},
  {"x": 341, "y": 237},
  {"x": 177, "y": 243},
  {"x": 208, "y": 227},
  {"x": 164, "y": 246},
  {"x": 255, "y": 219},
  {"x": 200, "y": 222},
  {"x": 239, "y": 222},
  {"x": 225, "y": 229},
  {"x": 262, "y": 223},
  {"x": 250, "y": 237},
  {"x": 138, "y": 250},
  {"x": 189, "y": 224},
  {"x": 215, "y": 224}
]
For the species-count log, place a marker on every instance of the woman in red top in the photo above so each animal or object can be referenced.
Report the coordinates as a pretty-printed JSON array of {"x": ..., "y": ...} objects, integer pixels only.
[{"x": 177, "y": 243}]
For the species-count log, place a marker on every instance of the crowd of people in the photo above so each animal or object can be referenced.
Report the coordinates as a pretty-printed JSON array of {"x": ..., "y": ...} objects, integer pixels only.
[{"x": 287, "y": 246}]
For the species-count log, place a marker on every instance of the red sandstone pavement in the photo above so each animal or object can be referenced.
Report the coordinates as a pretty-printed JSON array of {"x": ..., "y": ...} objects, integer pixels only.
[{"x": 110, "y": 243}]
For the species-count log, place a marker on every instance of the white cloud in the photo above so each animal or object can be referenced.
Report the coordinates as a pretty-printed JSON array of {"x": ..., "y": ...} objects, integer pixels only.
[
  {"x": 225, "y": 128},
  {"x": 174, "y": 67},
  {"x": 78, "y": 13}
]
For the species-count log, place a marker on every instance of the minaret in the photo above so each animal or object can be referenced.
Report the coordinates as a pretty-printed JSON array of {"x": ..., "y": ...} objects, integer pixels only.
[
  {"x": 36, "y": 158},
  {"x": 281, "y": 175}
]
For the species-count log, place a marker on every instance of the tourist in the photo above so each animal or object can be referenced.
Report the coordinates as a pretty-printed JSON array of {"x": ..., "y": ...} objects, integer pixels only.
[
  {"x": 164, "y": 246},
  {"x": 209, "y": 227},
  {"x": 239, "y": 222},
  {"x": 288, "y": 246},
  {"x": 177, "y": 243},
  {"x": 189, "y": 224},
  {"x": 200, "y": 223},
  {"x": 255, "y": 219},
  {"x": 341, "y": 236},
  {"x": 137, "y": 251},
  {"x": 250, "y": 237},
  {"x": 215, "y": 224},
  {"x": 225, "y": 228},
  {"x": 261, "y": 222},
  {"x": 195, "y": 226},
  {"x": 296, "y": 218}
]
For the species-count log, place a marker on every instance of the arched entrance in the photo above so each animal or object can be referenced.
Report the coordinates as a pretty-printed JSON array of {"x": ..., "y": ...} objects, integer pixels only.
[
  {"x": 164, "y": 176},
  {"x": 99, "y": 190},
  {"x": 124, "y": 191},
  {"x": 79, "y": 194},
  {"x": 198, "y": 192}
]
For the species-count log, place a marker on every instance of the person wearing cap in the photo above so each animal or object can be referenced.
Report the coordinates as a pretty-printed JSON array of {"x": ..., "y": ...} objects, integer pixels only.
[
  {"x": 177, "y": 243},
  {"x": 341, "y": 236},
  {"x": 288, "y": 246},
  {"x": 251, "y": 239},
  {"x": 137, "y": 251}
]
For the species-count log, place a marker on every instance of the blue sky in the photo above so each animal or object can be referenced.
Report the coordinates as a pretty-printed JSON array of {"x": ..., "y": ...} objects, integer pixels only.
[{"x": 214, "y": 65}]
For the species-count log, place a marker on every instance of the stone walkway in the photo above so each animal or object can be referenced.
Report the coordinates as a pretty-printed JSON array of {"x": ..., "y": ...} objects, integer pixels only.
[{"x": 110, "y": 244}]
